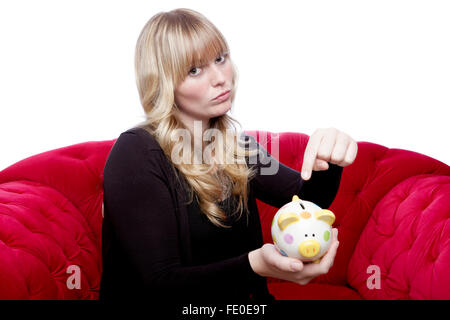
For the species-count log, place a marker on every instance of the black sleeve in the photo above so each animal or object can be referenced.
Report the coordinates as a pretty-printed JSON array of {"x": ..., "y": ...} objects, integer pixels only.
[
  {"x": 140, "y": 207},
  {"x": 276, "y": 183}
]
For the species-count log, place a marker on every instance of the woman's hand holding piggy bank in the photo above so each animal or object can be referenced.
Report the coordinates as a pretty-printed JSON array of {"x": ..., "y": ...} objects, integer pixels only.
[{"x": 302, "y": 233}]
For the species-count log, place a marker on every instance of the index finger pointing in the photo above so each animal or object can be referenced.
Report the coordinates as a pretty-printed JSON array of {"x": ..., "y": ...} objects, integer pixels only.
[{"x": 310, "y": 155}]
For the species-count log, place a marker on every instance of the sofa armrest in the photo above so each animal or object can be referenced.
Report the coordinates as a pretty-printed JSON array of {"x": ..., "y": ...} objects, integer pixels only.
[
  {"x": 404, "y": 250},
  {"x": 51, "y": 223},
  {"x": 47, "y": 247}
]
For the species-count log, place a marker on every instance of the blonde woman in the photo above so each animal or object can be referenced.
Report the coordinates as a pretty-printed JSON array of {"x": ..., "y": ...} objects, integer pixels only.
[{"x": 179, "y": 226}]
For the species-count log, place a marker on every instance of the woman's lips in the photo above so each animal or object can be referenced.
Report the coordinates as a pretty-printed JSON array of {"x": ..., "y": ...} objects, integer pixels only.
[{"x": 223, "y": 96}]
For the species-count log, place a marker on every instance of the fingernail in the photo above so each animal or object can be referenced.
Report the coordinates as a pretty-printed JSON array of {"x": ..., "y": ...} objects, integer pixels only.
[{"x": 295, "y": 266}]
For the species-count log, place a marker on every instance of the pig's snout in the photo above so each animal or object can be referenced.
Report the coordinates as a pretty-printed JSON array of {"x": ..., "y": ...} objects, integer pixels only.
[{"x": 309, "y": 248}]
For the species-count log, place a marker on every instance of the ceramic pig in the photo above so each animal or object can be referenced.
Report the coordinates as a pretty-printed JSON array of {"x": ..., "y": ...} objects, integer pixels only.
[{"x": 301, "y": 229}]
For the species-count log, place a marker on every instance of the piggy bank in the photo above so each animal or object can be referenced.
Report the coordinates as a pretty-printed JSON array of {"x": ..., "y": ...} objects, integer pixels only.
[{"x": 301, "y": 229}]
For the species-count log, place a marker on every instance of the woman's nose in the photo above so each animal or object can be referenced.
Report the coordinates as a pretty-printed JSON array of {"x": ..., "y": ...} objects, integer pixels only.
[{"x": 217, "y": 75}]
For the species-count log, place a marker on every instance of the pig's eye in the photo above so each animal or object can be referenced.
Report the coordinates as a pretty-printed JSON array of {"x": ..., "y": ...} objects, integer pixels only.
[
  {"x": 306, "y": 235},
  {"x": 313, "y": 235}
]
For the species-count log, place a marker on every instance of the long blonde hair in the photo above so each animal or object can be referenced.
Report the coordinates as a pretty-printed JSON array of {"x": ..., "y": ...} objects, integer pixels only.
[{"x": 169, "y": 45}]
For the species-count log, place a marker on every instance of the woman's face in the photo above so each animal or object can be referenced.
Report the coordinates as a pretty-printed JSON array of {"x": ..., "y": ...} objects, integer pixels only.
[{"x": 196, "y": 96}]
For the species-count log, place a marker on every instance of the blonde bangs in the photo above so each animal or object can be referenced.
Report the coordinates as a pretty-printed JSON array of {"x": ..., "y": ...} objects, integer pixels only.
[{"x": 194, "y": 44}]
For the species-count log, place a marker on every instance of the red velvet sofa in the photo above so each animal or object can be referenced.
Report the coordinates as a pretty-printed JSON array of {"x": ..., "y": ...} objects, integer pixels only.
[{"x": 392, "y": 211}]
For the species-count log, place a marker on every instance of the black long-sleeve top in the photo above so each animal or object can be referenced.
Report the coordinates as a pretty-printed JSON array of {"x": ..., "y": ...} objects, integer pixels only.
[{"x": 155, "y": 246}]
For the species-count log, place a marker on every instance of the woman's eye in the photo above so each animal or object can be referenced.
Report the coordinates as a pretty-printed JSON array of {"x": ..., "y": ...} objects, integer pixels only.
[
  {"x": 194, "y": 71},
  {"x": 221, "y": 58}
]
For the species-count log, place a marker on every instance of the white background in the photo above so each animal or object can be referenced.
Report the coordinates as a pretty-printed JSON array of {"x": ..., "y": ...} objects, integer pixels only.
[{"x": 377, "y": 70}]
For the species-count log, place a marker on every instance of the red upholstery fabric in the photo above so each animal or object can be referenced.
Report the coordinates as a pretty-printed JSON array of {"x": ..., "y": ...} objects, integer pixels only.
[
  {"x": 392, "y": 211},
  {"x": 411, "y": 244},
  {"x": 50, "y": 219}
]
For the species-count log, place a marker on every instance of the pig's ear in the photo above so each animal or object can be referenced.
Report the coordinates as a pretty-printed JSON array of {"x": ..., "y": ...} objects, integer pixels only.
[
  {"x": 325, "y": 215},
  {"x": 286, "y": 219}
]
